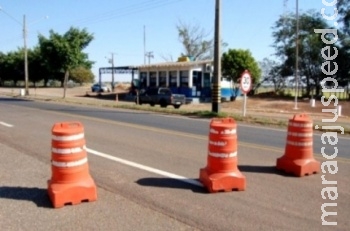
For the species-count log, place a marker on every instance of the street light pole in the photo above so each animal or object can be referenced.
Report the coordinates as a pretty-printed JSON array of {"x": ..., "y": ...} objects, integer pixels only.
[
  {"x": 296, "y": 57},
  {"x": 25, "y": 56},
  {"x": 112, "y": 72},
  {"x": 216, "y": 96},
  {"x": 24, "y": 25},
  {"x": 144, "y": 45}
]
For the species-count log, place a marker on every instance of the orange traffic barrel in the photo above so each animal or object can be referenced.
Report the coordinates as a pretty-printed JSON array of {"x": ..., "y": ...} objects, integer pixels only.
[
  {"x": 298, "y": 157},
  {"x": 221, "y": 172},
  {"x": 70, "y": 182}
]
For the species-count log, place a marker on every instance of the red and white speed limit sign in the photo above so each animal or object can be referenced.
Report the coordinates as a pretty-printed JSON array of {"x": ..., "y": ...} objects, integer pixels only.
[{"x": 246, "y": 82}]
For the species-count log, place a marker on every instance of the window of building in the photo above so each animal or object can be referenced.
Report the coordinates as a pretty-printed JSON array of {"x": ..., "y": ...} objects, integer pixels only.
[
  {"x": 197, "y": 79},
  {"x": 206, "y": 80},
  {"x": 183, "y": 78},
  {"x": 143, "y": 79},
  {"x": 153, "y": 79},
  {"x": 162, "y": 78},
  {"x": 172, "y": 78}
]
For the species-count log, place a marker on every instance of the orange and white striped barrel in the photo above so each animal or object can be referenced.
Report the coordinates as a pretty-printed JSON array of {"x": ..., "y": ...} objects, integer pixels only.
[
  {"x": 222, "y": 145},
  {"x": 299, "y": 137},
  {"x": 221, "y": 172},
  {"x": 69, "y": 159},
  {"x": 298, "y": 157},
  {"x": 71, "y": 182}
]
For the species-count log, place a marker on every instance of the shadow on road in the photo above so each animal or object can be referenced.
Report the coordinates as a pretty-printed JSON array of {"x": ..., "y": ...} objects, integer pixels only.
[
  {"x": 37, "y": 195},
  {"x": 263, "y": 169},
  {"x": 170, "y": 183},
  {"x": 13, "y": 99}
]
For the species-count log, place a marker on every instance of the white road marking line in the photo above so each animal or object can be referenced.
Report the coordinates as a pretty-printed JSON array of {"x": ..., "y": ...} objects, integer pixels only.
[
  {"x": 146, "y": 168},
  {"x": 6, "y": 124}
]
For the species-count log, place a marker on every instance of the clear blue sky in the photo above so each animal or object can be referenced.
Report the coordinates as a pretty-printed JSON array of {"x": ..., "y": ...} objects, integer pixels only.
[{"x": 117, "y": 25}]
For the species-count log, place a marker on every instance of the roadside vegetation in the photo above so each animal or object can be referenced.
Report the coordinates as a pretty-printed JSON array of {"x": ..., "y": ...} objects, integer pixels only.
[{"x": 61, "y": 59}]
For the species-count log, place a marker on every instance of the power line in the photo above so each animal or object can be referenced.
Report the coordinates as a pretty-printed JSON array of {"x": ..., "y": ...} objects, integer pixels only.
[
  {"x": 13, "y": 18},
  {"x": 131, "y": 9},
  {"x": 119, "y": 12}
]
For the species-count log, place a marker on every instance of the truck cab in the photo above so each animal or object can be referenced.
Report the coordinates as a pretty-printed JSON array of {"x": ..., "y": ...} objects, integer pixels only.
[{"x": 161, "y": 96}]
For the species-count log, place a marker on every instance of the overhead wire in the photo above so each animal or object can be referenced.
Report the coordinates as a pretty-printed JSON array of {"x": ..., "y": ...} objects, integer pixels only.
[
  {"x": 127, "y": 10},
  {"x": 116, "y": 13}
]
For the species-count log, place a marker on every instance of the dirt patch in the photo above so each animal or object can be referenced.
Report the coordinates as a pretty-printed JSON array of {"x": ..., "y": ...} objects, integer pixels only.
[{"x": 256, "y": 105}]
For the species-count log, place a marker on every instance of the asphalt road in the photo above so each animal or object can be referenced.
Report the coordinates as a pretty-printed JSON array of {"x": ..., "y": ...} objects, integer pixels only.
[
  {"x": 146, "y": 168},
  {"x": 246, "y": 133}
]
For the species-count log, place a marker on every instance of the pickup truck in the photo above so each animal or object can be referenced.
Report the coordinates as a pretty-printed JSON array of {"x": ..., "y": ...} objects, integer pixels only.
[{"x": 160, "y": 95}]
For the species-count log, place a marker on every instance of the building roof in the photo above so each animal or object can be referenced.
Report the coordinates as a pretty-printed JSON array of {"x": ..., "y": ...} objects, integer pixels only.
[{"x": 177, "y": 64}]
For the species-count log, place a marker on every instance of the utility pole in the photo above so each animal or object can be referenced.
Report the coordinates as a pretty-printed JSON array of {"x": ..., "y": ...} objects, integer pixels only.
[
  {"x": 216, "y": 90},
  {"x": 112, "y": 62},
  {"x": 149, "y": 55},
  {"x": 25, "y": 56},
  {"x": 296, "y": 56},
  {"x": 144, "y": 45},
  {"x": 25, "y": 50}
]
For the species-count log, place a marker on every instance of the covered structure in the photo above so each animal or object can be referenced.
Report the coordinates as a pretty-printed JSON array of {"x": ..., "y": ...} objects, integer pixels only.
[
  {"x": 117, "y": 70},
  {"x": 191, "y": 78}
]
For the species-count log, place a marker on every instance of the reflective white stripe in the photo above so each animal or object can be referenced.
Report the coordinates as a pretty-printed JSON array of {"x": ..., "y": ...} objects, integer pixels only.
[
  {"x": 213, "y": 131},
  {"x": 6, "y": 124},
  {"x": 69, "y": 164},
  {"x": 300, "y": 134},
  {"x": 300, "y": 125},
  {"x": 301, "y": 144},
  {"x": 228, "y": 131},
  {"x": 222, "y": 155},
  {"x": 146, "y": 168},
  {"x": 68, "y": 138},
  {"x": 218, "y": 143},
  {"x": 68, "y": 150}
]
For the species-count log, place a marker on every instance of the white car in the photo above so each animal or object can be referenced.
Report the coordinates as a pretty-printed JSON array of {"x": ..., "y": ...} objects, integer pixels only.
[{"x": 100, "y": 88}]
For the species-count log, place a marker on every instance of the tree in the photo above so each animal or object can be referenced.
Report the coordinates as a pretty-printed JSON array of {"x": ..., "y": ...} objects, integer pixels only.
[
  {"x": 196, "y": 42},
  {"x": 37, "y": 70},
  {"x": 12, "y": 67},
  {"x": 193, "y": 38},
  {"x": 344, "y": 56},
  {"x": 272, "y": 74},
  {"x": 81, "y": 75},
  {"x": 65, "y": 52},
  {"x": 2, "y": 63},
  {"x": 344, "y": 13},
  {"x": 310, "y": 45},
  {"x": 235, "y": 61}
]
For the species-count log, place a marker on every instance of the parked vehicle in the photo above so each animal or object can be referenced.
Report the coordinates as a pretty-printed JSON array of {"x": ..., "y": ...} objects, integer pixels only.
[
  {"x": 161, "y": 96},
  {"x": 100, "y": 88}
]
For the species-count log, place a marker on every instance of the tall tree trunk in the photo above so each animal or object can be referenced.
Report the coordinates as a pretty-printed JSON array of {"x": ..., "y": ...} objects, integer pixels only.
[
  {"x": 318, "y": 88},
  {"x": 66, "y": 75},
  {"x": 46, "y": 80}
]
